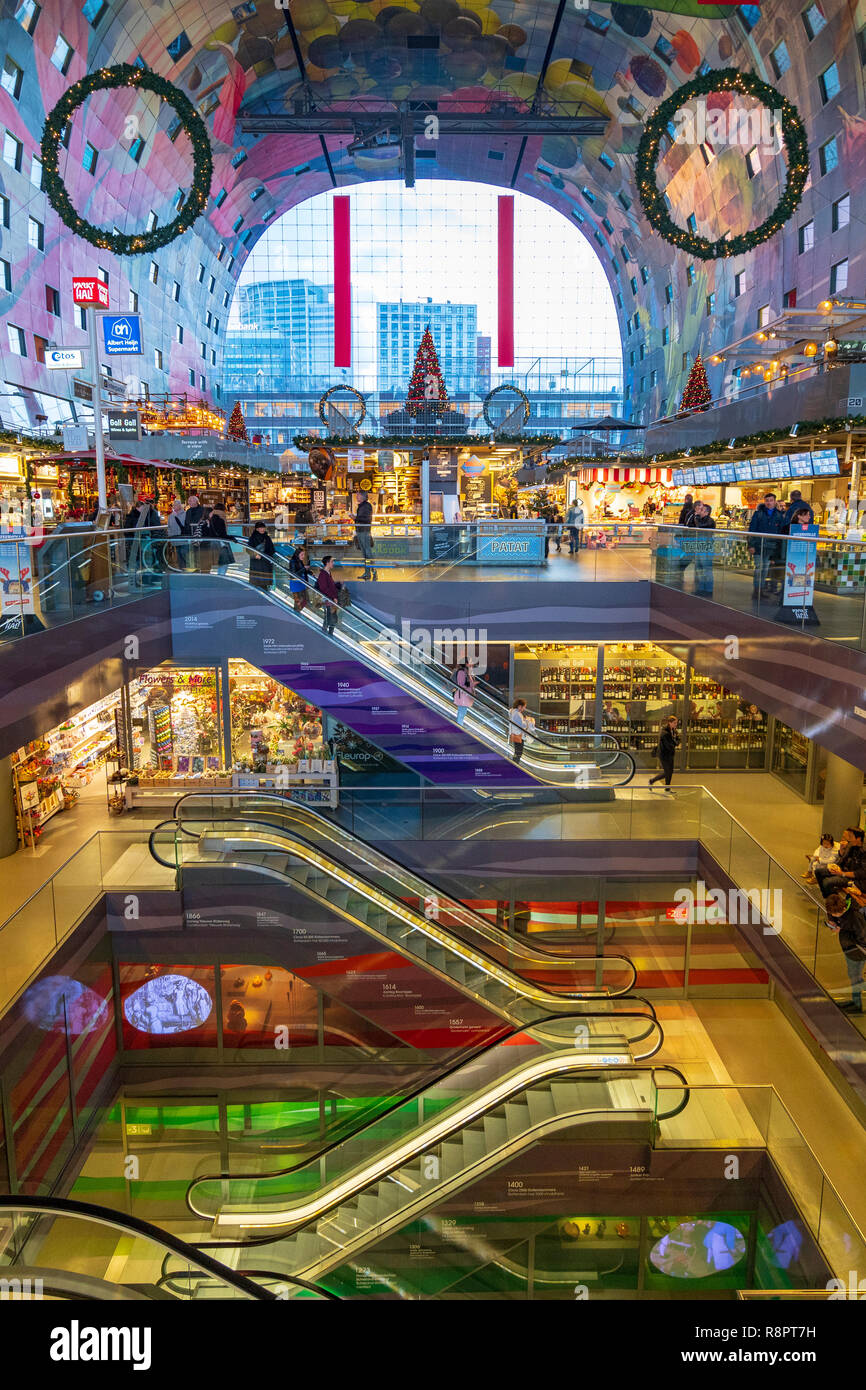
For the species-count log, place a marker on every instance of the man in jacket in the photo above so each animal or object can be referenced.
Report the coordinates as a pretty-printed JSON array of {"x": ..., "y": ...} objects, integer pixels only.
[
  {"x": 575, "y": 520},
  {"x": 330, "y": 591},
  {"x": 666, "y": 751},
  {"x": 686, "y": 510},
  {"x": 701, "y": 520},
  {"x": 796, "y": 504},
  {"x": 363, "y": 523},
  {"x": 848, "y": 874},
  {"x": 846, "y": 918},
  {"x": 767, "y": 521}
]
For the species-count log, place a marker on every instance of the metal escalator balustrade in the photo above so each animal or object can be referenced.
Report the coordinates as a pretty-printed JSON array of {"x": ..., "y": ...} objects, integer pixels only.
[
  {"x": 569, "y": 759},
  {"x": 282, "y": 858}
]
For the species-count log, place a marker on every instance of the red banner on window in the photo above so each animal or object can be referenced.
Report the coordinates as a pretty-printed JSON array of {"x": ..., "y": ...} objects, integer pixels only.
[
  {"x": 342, "y": 284},
  {"x": 505, "y": 337}
]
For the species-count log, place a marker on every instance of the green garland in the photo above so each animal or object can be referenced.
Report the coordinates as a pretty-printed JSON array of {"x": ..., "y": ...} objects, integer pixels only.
[
  {"x": 509, "y": 386},
  {"x": 796, "y": 145},
  {"x": 323, "y": 401},
  {"x": 126, "y": 75}
]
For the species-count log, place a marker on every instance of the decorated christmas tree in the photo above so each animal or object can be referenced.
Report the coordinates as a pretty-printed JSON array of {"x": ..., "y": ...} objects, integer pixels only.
[
  {"x": 236, "y": 428},
  {"x": 427, "y": 388},
  {"x": 697, "y": 395}
]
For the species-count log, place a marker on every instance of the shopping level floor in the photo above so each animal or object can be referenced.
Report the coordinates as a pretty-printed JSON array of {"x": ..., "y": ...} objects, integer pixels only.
[{"x": 719, "y": 1045}]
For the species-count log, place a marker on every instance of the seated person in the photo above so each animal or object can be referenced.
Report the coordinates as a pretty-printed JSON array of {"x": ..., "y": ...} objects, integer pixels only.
[
  {"x": 848, "y": 875},
  {"x": 822, "y": 857}
]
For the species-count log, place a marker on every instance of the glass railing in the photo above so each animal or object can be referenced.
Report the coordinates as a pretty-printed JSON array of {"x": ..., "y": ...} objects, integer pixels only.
[
  {"x": 575, "y": 759},
  {"x": 60, "y": 1249},
  {"x": 746, "y": 1117},
  {"x": 59, "y": 576}
]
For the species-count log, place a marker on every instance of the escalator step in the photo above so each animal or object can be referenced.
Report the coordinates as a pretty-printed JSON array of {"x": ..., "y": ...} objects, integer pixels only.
[
  {"x": 367, "y": 1208},
  {"x": 495, "y": 1131},
  {"x": 456, "y": 969},
  {"x": 474, "y": 1144},
  {"x": 452, "y": 1159},
  {"x": 390, "y": 1196},
  {"x": 516, "y": 1118},
  {"x": 568, "y": 1097},
  {"x": 540, "y": 1105}
]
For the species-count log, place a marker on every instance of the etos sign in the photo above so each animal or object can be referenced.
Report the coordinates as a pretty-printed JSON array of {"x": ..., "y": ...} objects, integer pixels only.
[{"x": 89, "y": 291}]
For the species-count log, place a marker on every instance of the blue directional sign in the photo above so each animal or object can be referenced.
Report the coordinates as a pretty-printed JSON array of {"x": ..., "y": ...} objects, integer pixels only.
[{"x": 121, "y": 334}]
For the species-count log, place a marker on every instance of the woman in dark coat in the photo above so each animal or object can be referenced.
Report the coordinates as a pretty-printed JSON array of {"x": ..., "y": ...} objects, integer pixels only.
[{"x": 262, "y": 547}]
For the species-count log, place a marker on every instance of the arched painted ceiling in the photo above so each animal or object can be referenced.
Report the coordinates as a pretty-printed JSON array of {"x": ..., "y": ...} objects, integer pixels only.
[{"x": 617, "y": 59}]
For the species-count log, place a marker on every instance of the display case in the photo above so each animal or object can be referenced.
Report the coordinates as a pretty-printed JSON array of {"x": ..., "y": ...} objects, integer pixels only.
[
  {"x": 566, "y": 689},
  {"x": 724, "y": 731},
  {"x": 642, "y": 686}
]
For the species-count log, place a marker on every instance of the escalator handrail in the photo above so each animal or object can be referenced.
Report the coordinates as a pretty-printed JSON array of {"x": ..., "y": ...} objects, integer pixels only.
[
  {"x": 545, "y": 738},
  {"x": 484, "y": 926},
  {"x": 134, "y": 1225},
  {"x": 424, "y": 1085},
  {"x": 431, "y": 928},
  {"x": 594, "y": 1073}
]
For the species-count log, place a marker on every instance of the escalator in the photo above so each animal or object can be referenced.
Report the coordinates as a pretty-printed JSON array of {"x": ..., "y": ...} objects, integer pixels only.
[
  {"x": 357, "y": 882},
  {"x": 401, "y": 680},
  {"x": 312, "y": 1218}
]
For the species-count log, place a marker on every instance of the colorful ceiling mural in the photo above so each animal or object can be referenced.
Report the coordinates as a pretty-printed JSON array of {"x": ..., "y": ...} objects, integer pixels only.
[{"x": 126, "y": 163}]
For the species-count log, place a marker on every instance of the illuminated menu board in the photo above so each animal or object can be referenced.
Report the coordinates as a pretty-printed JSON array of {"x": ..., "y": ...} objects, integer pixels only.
[
  {"x": 700, "y": 476},
  {"x": 728, "y": 472},
  {"x": 677, "y": 475},
  {"x": 801, "y": 465},
  {"x": 825, "y": 463},
  {"x": 714, "y": 474},
  {"x": 688, "y": 477},
  {"x": 743, "y": 471},
  {"x": 779, "y": 467}
]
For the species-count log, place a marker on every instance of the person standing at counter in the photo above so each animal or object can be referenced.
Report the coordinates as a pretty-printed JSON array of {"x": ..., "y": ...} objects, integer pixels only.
[
  {"x": 261, "y": 549},
  {"x": 363, "y": 535},
  {"x": 767, "y": 521},
  {"x": 686, "y": 510},
  {"x": 575, "y": 520},
  {"x": 795, "y": 505}
]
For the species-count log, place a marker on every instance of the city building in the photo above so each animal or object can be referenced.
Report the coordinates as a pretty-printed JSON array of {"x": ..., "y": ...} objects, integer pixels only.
[{"x": 399, "y": 329}]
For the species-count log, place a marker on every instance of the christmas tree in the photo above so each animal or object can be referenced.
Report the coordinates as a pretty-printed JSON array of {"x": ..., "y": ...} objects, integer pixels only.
[
  {"x": 426, "y": 389},
  {"x": 697, "y": 395},
  {"x": 236, "y": 428}
]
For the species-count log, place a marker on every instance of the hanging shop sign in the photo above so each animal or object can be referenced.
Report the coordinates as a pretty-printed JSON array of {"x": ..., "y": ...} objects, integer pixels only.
[
  {"x": 74, "y": 438},
  {"x": 121, "y": 335},
  {"x": 64, "y": 359},
  {"x": 355, "y": 461},
  {"x": 89, "y": 290},
  {"x": 124, "y": 424},
  {"x": 385, "y": 460},
  {"x": 179, "y": 679}
]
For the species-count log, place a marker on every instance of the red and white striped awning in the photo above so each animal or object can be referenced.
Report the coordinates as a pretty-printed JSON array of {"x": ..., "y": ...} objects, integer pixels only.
[{"x": 629, "y": 475}]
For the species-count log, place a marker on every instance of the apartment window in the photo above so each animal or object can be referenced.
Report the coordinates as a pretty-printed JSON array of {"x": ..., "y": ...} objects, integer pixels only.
[
  {"x": 202, "y": 384},
  {"x": 154, "y": 273},
  {"x": 89, "y": 158},
  {"x": 213, "y": 357},
  {"x": 641, "y": 352},
  {"x": 666, "y": 336},
  {"x": 257, "y": 193},
  {"x": 806, "y": 238},
  {"x": 842, "y": 212},
  {"x": 216, "y": 325},
  {"x": 175, "y": 292},
  {"x": 669, "y": 294},
  {"x": 211, "y": 284},
  {"x": 829, "y": 84},
  {"x": 6, "y": 274},
  {"x": 136, "y": 149},
  {"x": 839, "y": 277},
  {"x": 202, "y": 349},
  {"x": 644, "y": 274},
  {"x": 753, "y": 162},
  {"x": 178, "y": 332},
  {"x": 36, "y": 172},
  {"x": 690, "y": 274},
  {"x": 780, "y": 58},
  {"x": 17, "y": 343},
  {"x": 200, "y": 273},
  {"x": 685, "y": 363},
  {"x": 789, "y": 299},
  {"x": 61, "y": 55},
  {"x": 237, "y": 224},
  {"x": 643, "y": 384},
  {"x": 711, "y": 302},
  {"x": 13, "y": 152},
  {"x": 220, "y": 198},
  {"x": 81, "y": 316},
  {"x": 27, "y": 14},
  {"x": 157, "y": 358},
  {"x": 692, "y": 222},
  {"x": 133, "y": 302},
  {"x": 231, "y": 264},
  {"x": 763, "y": 315},
  {"x": 222, "y": 250},
  {"x": 739, "y": 283},
  {"x": 633, "y": 283},
  {"x": 152, "y": 221},
  {"x": 66, "y": 135},
  {"x": 39, "y": 346},
  {"x": 36, "y": 233},
  {"x": 52, "y": 300},
  {"x": 813, "y": 21},
  {"x": 208, "y": 319},
  {"x": 11, "y": 78},
  {"x": 103, "y": 274},
  {"x": 94, "y": 11},
  {"x": 191, "y": 375},
  {"x": 226, "y": 300},
  {"x": 654, "y": 376},
  {"x": 828, "y": 156}
]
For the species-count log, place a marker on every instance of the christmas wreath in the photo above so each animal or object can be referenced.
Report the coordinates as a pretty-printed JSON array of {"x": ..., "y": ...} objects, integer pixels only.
[
  {"x": 796, "y": 146},
  {"x": 323, "y": 401},
  {"x": 527, "y": 410},
  {"x": 112, "y": 79}
]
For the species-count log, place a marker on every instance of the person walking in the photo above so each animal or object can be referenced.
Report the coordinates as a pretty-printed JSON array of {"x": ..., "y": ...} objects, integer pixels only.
[
  {"x": 299, "y": 581},
  {"x": 666, "y": 751},
  {"x": 556, "y": 525},
  {"x": 330, "y": 591},
  {"x": 767, "y": 521},
  {"x": 846, "y": 918},
  {"x": 701, "y": 521},
  {"x": 518, "y": 724},
  {"x": 364, "y": 535},
  {"x": 261, "y": 550},
  {"x": 218, "y": 527},
  {"x": 194, "y": 528},
  {"x": 575, "y": 520},
  {"x": 464, "y": 695}
]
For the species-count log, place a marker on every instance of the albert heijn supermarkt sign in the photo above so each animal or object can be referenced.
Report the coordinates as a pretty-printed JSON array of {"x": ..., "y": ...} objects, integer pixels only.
[{"x": 89, "y": 290}]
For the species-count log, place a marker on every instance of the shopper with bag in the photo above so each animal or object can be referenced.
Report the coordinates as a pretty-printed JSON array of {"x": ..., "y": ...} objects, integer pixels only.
[
  {"x": 464, "y": 695},
  {"x": 519, "y": 724}
]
